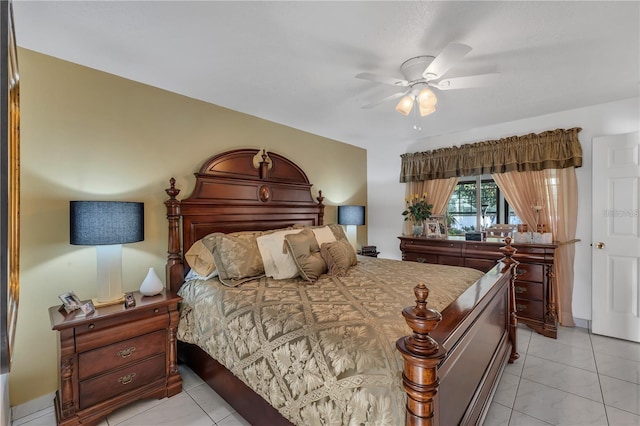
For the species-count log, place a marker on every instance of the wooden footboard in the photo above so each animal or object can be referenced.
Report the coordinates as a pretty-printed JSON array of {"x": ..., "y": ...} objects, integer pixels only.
[{"x": 451, "y": 372}]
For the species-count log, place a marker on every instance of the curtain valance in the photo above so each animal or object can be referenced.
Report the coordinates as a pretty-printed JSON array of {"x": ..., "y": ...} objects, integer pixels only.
[{"x": 553, "y": 149}]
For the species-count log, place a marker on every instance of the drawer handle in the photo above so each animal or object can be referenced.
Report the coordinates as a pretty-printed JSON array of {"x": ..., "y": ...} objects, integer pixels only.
[
  {"x": 125, "y": 380},
  {"x": 520, "y": 290},
  {"x": 420, "y": 259},
  {"x": 156, "y": 310},
  {"x": 126, "y": 353},
  {"x": 520, "y": 271},
  {"x": 92, "y": 326},
  {"x": 520, "y": 308}
]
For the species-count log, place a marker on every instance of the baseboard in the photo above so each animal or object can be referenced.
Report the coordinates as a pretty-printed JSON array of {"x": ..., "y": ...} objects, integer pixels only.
[
  {"x": 583, "y": 323},
  {"x": 33, "y": 406}
]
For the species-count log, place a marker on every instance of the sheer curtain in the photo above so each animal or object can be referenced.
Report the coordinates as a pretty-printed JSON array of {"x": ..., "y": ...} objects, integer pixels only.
[
  {"x": 556, "y": 190},
  {"x": 438, "y": 193}
]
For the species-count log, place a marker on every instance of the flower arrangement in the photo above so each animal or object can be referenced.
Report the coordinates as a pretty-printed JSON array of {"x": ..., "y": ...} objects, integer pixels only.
[{"x": 417, "y": 209}]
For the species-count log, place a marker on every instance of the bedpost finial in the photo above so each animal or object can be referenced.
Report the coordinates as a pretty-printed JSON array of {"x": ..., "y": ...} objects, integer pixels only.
[
  {"x": 508, "y": 252},
  {"x": 172, "y": 192},
  {"x": 422, "y": 321},
  {"x": 320, "y": 198}
]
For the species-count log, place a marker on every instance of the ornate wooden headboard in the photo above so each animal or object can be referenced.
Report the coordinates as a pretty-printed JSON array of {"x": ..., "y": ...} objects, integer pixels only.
[{"x": 239, "y": 190}]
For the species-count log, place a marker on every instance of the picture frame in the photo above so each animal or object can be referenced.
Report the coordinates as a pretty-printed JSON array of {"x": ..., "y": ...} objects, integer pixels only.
[
  {"x": 436, "y": 227},
  {"x": 70, "y": 302}
]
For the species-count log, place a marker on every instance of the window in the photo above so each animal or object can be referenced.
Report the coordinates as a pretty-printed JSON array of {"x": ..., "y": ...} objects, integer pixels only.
[{"x": 477, "y": 203}]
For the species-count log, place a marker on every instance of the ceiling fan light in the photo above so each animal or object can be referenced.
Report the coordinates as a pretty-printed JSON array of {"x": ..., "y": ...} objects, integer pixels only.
[
  {"x": 405, "y": 105},
  {"x": 427, "y": 97},
  {"x": 427, "y": 109}
]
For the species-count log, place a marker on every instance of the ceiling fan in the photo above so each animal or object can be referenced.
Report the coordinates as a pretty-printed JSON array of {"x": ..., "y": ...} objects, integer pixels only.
[{"x": 422, "y": 73}]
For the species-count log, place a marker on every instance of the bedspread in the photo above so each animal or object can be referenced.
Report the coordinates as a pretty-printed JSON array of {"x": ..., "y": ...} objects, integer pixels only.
[{"x": 321, "y": 353}]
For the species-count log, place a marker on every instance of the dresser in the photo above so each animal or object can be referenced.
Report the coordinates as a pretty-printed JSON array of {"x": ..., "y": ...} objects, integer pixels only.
[
  {"x": 534, "y": 282},
  {"x": 115, "y": 356}
]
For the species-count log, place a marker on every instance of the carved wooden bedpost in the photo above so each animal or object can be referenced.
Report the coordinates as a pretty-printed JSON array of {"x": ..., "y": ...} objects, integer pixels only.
[
  {"x": 320, "y": 199},
  {"x": 509, "y": 262},
  {"x": 421, "y": 355},
  {"x": 174, "y": 269}
]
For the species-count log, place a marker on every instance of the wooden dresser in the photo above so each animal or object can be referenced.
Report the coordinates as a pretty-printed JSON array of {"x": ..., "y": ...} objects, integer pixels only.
[
  {"x": 535, "y": 277},
  {"x": 115, "y": 356}
]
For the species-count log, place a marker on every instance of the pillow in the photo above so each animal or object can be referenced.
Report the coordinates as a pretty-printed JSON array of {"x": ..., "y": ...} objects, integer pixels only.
[
  {"x": 338, "y": 231},
  {"x": 278, "y": 263},
  {"x": 193, "y": 275},
  {"x": 339, "y": 257},
  {"x": 305, "y": 250},
  {"x": 200, "y": 257},
  {"x": 323, "y": 235},
  {"x": 237, "y": 258}
]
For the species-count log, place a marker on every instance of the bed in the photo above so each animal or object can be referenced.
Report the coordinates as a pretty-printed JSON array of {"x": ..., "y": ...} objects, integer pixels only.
[{"x": 440, "y": 368}]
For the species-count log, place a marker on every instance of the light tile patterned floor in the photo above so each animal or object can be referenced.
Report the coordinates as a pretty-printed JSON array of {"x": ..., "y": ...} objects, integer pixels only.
[{"x": 578, "y": 379}]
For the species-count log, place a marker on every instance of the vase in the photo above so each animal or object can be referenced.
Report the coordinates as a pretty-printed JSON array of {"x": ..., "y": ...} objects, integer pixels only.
[
  {"x": 151, "y": 285},
  {"x": 418, "y": 229}
]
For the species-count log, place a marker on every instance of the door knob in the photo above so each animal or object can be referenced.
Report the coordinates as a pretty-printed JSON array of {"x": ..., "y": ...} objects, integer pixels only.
[{"x": 600, "y": 245}]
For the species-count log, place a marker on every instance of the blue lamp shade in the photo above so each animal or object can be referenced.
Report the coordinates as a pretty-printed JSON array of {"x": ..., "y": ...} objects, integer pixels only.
[
  {"x": 106, "y": 222},
  {"x": 350, "y": 215}
]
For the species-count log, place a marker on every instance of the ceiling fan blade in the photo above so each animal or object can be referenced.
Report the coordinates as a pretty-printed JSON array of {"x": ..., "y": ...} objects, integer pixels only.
[
  {"x": 382, "y": 79},
  {"x": 471, "y": 81},
  {"x": 451, "y": 54},
  {"x": 383, "y": 100}
]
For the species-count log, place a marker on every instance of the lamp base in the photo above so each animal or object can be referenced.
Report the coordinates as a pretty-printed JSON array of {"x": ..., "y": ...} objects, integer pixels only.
[{"x": 99, "y": 304}]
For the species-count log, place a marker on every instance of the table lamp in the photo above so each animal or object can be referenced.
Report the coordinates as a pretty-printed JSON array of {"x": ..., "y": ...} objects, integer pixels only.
[
  {"x": 107, "y": 225},
  {"x": 351, "y": 216}
]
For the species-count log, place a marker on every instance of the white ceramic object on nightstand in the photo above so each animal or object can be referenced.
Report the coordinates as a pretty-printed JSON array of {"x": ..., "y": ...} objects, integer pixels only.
[{"x": 151, "y": 285}]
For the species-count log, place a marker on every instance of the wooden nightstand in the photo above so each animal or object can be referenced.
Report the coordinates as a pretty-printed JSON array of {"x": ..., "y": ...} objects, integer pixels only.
[{"x": 115, "y": 356}]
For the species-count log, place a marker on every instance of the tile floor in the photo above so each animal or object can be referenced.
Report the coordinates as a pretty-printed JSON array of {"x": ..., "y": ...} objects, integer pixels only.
[{"x": 579, "y": 379}]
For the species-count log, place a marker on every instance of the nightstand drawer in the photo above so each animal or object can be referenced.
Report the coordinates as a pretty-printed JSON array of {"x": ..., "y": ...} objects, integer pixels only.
[
  {"x": 529, "y": 291},
  {"x": 125, "y": 379},
  {"x": 530, "y": 272},
  {"x": 119, "y": 354},
  {"x": 94, "y": 335}
]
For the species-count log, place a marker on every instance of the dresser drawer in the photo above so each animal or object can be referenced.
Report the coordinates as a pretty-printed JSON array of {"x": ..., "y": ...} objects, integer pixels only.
[
  {"x": 483, "y": 265},
  {"x": 530, "y": 272},
  {"x": 119, "y": 354},
  {"x": 530, "y": 309},
  {"x": 125, "y": 379},
  {"x": 95, "y": 335},
  {"x": 420, "y": 257},
  {"x": 528, "y": 291}
]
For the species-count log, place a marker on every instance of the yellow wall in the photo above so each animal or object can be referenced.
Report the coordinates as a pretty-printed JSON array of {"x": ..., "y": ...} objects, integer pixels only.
[{"x": 90, "y": 135}]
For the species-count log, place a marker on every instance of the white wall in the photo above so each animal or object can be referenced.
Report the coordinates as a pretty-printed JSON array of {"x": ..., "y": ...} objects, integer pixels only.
[
  {"x": 386, "y": 194},
  {"x": 5, "y": 411}
]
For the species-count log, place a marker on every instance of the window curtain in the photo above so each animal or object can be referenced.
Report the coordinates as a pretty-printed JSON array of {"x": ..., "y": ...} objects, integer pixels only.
[
  {"x": 556, "y": 190},
  {"x": 438, "y": 192},
  {"x": 553, "y": 149},
  {"x": 533, "y": 169}
]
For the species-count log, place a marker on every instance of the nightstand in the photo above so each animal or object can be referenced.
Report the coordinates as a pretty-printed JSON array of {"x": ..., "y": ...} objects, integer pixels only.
[{"x": 115, "y": 356}]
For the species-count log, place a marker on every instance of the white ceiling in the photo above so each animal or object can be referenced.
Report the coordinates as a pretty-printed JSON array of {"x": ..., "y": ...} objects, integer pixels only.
[{"x": 294, "y": 62}]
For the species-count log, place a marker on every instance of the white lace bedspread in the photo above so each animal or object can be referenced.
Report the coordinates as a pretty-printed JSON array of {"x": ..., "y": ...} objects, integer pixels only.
[{"x": 320, "y": 353}]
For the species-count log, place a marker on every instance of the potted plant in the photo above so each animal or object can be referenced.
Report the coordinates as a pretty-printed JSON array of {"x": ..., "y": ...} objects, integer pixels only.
[{"x": 417, "y": 210}]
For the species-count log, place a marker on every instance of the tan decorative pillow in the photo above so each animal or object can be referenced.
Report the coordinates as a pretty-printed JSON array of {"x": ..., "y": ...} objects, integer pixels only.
[
  {"x": 338, "y": 231},
  {"x": 200, "y": 259},
  {"x": 304, "y": 248},
  {"x": 237, "y": 257},
  {"x": 339, "y": 257}
]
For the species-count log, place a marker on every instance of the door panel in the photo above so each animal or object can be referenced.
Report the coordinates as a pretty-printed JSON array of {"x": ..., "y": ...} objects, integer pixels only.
[{"x": 616, "y": 236}]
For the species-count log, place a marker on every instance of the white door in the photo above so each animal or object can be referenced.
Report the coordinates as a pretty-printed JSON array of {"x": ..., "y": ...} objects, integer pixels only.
[{"x": 616, "y": 236}]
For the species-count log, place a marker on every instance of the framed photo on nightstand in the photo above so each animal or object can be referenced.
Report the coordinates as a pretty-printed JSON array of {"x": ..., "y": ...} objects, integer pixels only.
[{"x": 70, "y": 301}]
